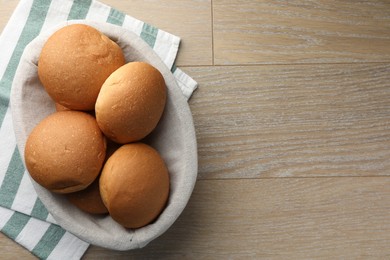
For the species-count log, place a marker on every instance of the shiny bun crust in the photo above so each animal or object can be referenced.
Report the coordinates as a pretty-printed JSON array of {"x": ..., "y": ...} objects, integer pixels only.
[
  {"x": 74, "y": 63},
  {"x": 65, "y": 151},
  {"x": 134, "y": 185},
  {"x": 131, "y": 102}
]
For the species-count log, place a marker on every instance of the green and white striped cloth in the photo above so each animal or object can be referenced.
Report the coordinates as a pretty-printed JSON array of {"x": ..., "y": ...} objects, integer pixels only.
[{"x": 23, "y": 217}]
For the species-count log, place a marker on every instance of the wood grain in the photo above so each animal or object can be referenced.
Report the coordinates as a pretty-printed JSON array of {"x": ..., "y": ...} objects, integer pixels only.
[
  {"x": 188, "y": 19},
  {"x": 305, "y": 218},
  {"x": 6, "y": 9},
  {"x": 305, "y": 31},
  {"x": 196, "y": 40},
  {"x": 324, "y": 125},
  {"x": 11, "y": 250},
  {"x": 295, "y": 120}
]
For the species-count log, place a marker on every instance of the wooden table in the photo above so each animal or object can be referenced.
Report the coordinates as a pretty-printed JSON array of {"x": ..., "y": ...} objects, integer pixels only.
[{"x": 292, "y": 118}]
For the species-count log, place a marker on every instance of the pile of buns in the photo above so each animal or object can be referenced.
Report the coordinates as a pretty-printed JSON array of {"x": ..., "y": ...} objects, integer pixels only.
[{"x": 90, "y": 149}]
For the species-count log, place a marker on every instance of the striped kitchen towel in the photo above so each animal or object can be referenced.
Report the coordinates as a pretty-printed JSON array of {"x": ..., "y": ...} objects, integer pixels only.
[{"x": 23, "y": 217}]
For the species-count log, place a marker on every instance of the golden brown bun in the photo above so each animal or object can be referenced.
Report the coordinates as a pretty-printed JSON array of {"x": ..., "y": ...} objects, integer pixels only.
[
  {"x": 65, "y": 151},
  {"x": 89, "y": 199},
  {"x": 131, "y": 102},
  {"x": 134, "y": 185},
  {"x": 74, "y": 63}
]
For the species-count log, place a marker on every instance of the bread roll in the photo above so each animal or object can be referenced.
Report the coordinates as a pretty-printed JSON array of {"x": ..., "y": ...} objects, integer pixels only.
[
  {"x": 65, "y": 151},
  {"x": 89, "y": 199},
  {"x": 134, "y": 185},
  {"x": 74, "y": 63},
  {"x": 131, "y": 102}
]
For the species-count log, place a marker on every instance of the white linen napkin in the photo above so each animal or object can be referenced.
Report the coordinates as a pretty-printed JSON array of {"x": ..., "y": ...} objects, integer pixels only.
[{"x": 23, "y": 217}]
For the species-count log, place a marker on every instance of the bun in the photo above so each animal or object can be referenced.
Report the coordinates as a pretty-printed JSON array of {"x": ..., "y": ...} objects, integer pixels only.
[
  {"x": 134, "y": 185},
  {"x": 65, "y": 151},
  {"x": 74, "y": 63},
  {"x": 89, "y": 199},
  {"x": 131, "y": 102}
]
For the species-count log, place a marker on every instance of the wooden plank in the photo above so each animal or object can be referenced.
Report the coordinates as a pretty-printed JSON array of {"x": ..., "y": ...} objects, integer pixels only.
[
  {"x": 299, "y": 218},
  {"x": 280, "y": 32},
  {"x": 282, "y": 218},
  {"x": 188, "y": 19},
  {"x": 295, "y": 120},
  {"x": 10, "y": 250},
  {"x": 6, "y": 9}
]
